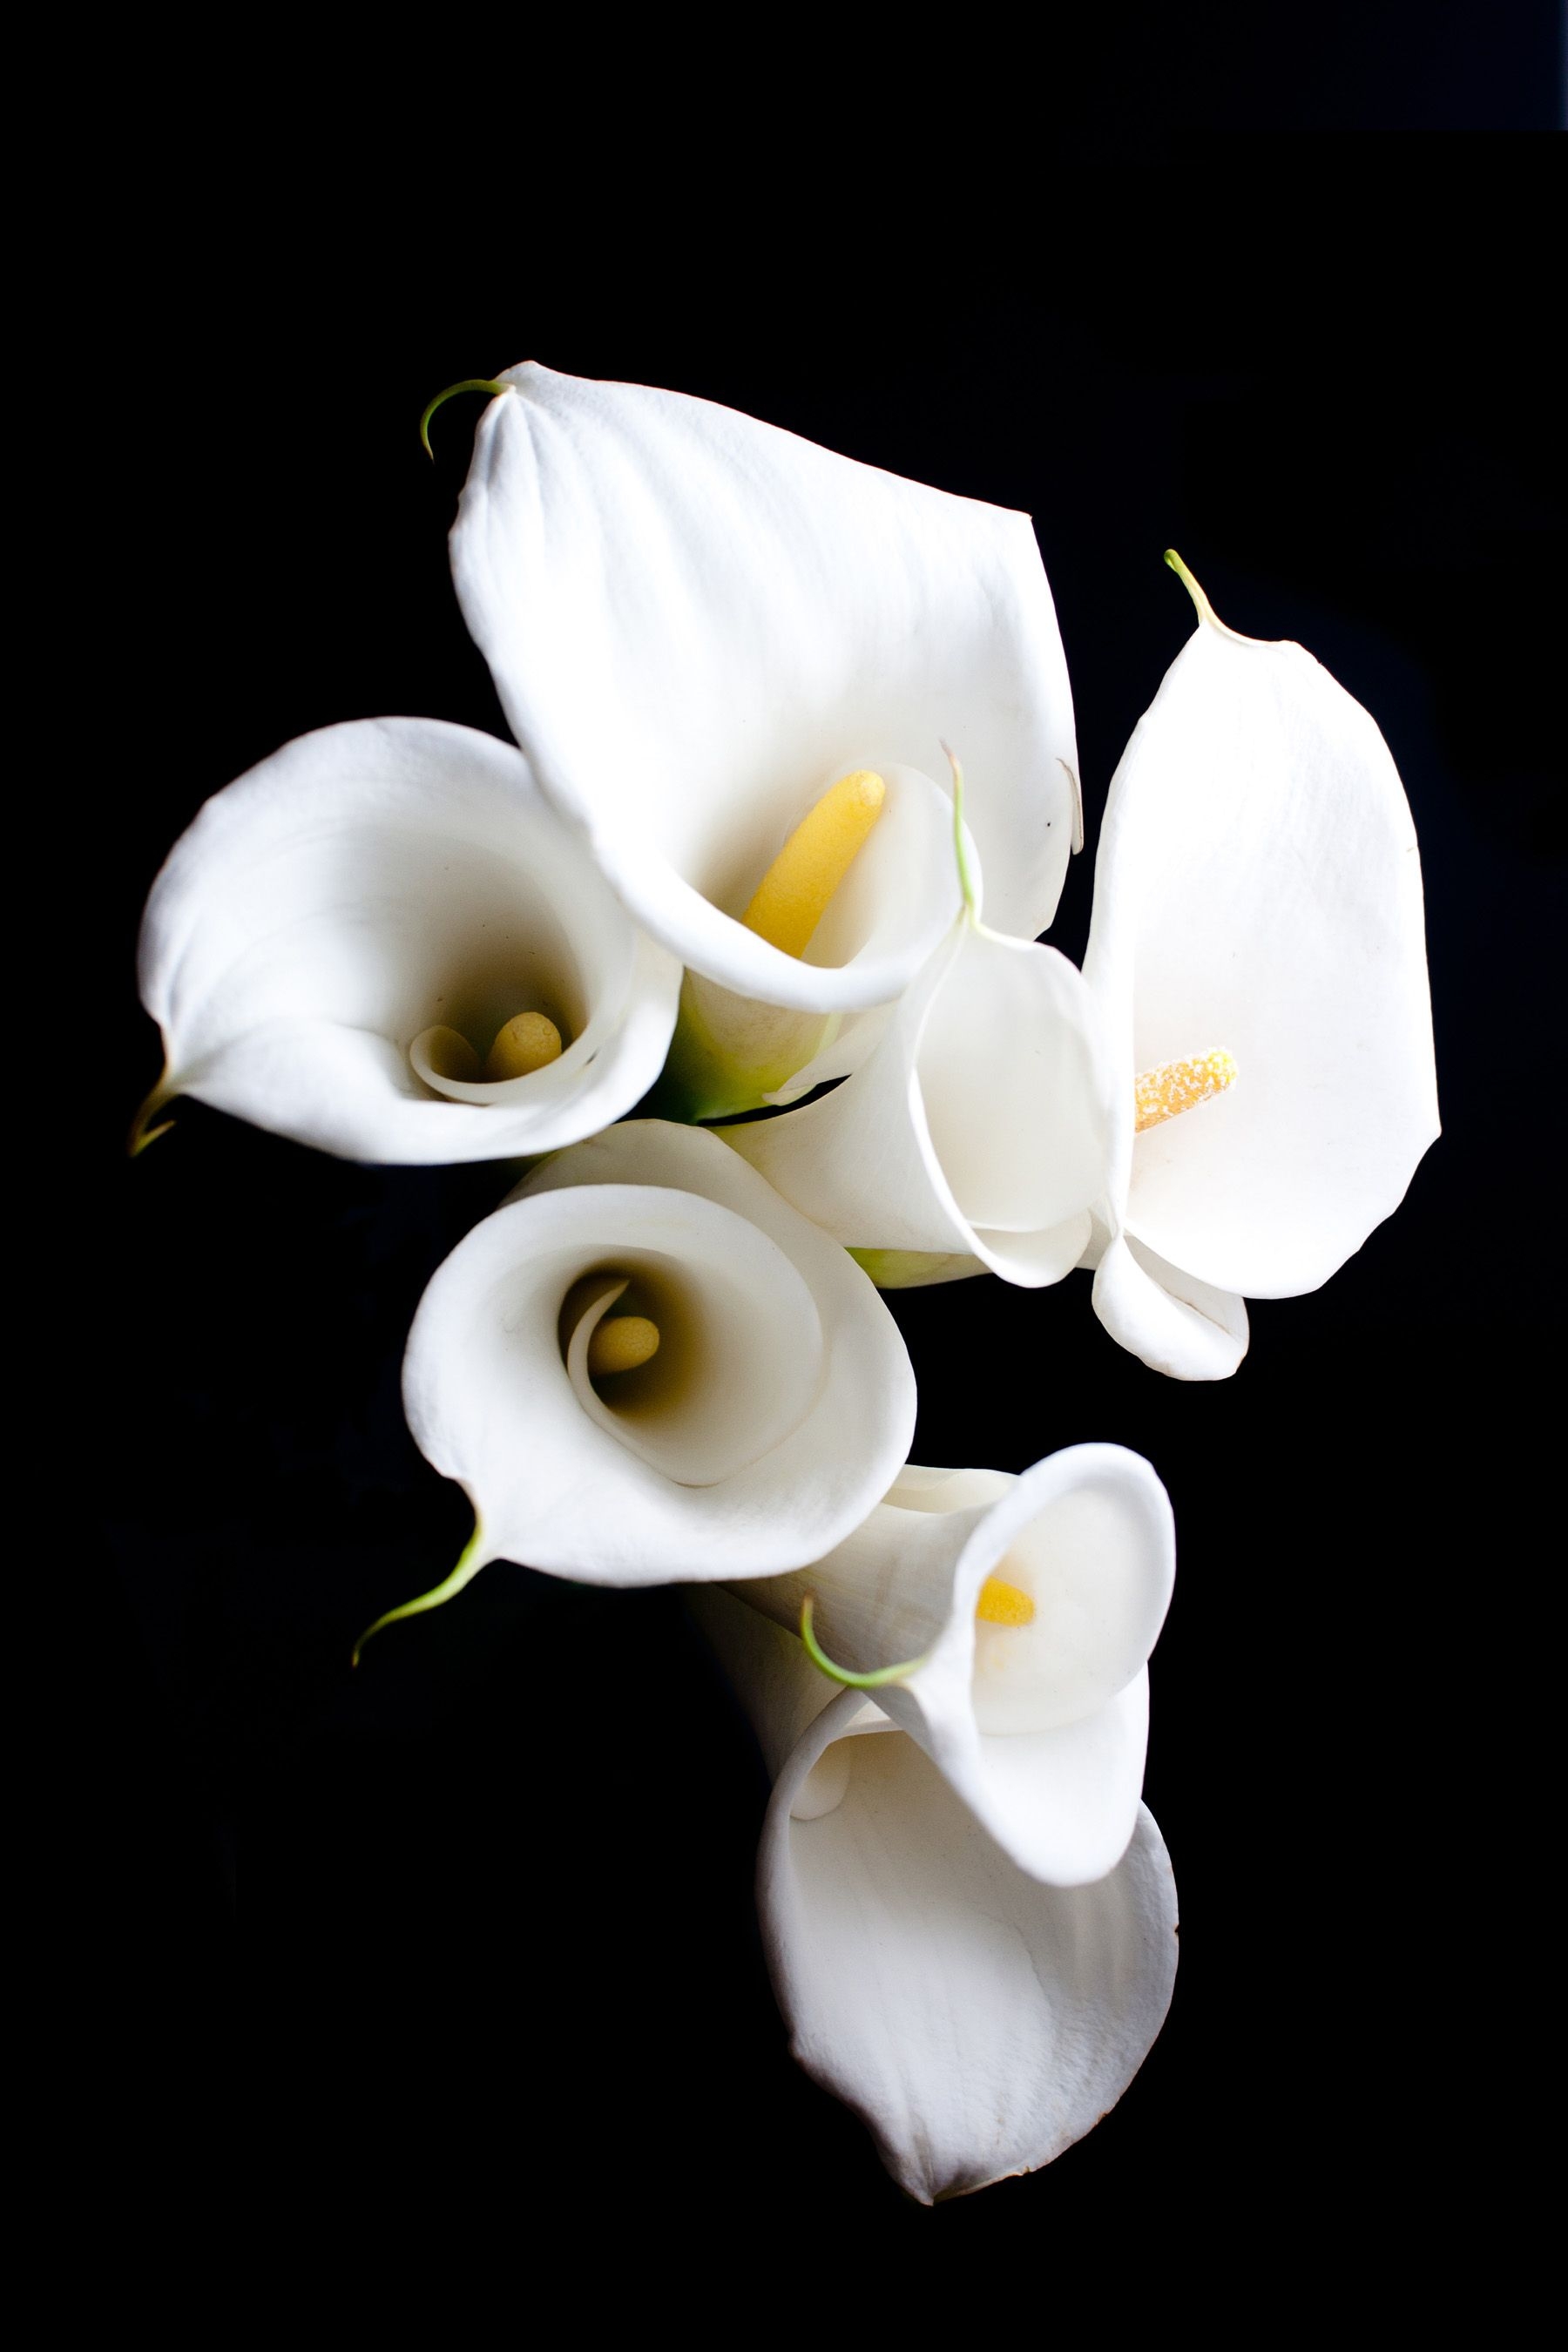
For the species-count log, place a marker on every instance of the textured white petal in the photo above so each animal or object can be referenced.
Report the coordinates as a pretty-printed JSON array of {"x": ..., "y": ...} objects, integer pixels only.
[
  {"x": 977, "y": 1127},
  {"x": 1257, "y": 888},
  {"x": 1042, "y": 1727},
  {"x": 1177, "y": 1326},
  {"x": 978, "y": 2021},
  {"x": 696, "y": 622},
  {"x": 778, "y": 1408},
  {"x": 365, "y": 884}
]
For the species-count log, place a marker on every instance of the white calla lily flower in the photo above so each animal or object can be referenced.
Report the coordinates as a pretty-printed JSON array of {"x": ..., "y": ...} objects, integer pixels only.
[
  {"x": 335, "y": 946},
  {"x": 979, "y": 2021},
  {"x": 1257, "y": 939},
  {"x": 1005, "y": 1623},
  {"x": 698, "y": 623},
  {"x": 644, "y": 1367},
  {"x": 975, "y": 1133}
]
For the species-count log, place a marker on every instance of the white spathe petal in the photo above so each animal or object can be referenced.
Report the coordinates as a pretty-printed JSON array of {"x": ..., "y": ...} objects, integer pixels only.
[
  {"x": 1257, "y": 888},
  {"x": 978, "y": 2021},
  {"x": 778, "y": 1408},
  {"x": 1089, "y": 1538},
  {"x": 919, "y": 1487},
  {"x": 1041, "y": 1728},
  {"x": 1177, "y": 1326},
  {"x": 363, "y": 884},
  {"x": 977, "y": 1127},
  {"x": 696, "y": 622}
]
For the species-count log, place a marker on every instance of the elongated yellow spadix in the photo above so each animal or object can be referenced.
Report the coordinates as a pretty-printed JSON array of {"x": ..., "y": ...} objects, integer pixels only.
[
  {"x": 620, "y": 1344},
  {"x": 793, "y": 896}
]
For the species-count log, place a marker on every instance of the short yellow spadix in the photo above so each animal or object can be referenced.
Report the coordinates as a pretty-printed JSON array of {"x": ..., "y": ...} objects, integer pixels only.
[
  {"x": 1180, "y": 1085},
  {"x": 620, "y": 1343},
  {"x": 793, "y": 896},
  {"x": 529, "y": 1042},
  {"x": 1001, "y": 1603}
]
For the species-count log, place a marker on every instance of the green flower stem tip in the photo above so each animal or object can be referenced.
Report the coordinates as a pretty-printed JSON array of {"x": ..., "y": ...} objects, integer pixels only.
[
  {"x": 1205, "y": 610},
  {"x": 473, "y": 1559},
  {"x": 965, "y": 878},
  {"x": 141, "y": 1134},
  {"x": 469, "y": 384},
  {"x": 820, "y": 1659}
]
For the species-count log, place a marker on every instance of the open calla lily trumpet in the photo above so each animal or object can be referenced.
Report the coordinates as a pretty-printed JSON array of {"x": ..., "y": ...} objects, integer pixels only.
[
  {"x": 645, "y": 1367},
  {"x": 979, "y": 2021},
  {"x": 699, "y": 626},
  {"x": 1023, "y": 1611},
  {"x": 380, "y": 941},
  {"x": 1258, "y": 954}
]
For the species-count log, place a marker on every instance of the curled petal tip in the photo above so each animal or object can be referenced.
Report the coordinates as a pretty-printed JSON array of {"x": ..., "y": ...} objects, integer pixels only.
[
  {"x": 469, "y": 384},
  {"x": 837, "y": 1674}
]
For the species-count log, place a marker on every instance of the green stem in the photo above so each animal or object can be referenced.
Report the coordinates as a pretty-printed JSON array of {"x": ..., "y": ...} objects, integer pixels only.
[
  {"x": 1205, "y": 610},
  {"x": 141, "y": 1134},
  {"x": 820, "y": 1659},
  {"x": 469, "y": 384},
  {"x": 469, "y": 1566},
  {"x": 965, "y": 879}
]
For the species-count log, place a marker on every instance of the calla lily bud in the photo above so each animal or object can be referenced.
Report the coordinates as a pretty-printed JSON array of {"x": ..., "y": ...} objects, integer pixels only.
[
  {"x": 699, "y": 625},
  {"x": 1257, "y": 952},
  {"x": 647, "y": 1367},
  {"x": 1023, "y": 1611},
  {"x": 978, "y": 2020},
  {"x": 383, "y": 942}
]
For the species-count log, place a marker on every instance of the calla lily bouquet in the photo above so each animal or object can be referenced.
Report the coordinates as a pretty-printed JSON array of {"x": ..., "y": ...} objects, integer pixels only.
[{"x": 734, "y": 958}]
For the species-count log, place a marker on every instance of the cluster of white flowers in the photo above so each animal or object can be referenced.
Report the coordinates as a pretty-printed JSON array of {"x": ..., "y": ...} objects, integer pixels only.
[{"x": 726, "y": 865}]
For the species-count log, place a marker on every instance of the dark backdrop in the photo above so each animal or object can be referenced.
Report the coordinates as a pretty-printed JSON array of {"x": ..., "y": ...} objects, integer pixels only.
[{"x": 458, "y": 1953}]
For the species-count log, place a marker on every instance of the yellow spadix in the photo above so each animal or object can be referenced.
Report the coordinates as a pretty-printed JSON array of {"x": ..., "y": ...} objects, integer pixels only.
[
  {"x": 1001, "y": 1603},
  {"x": 1180, "y": 1085},
  {"x": 793, "y": 894},
  {"x": 620, "y": 1343},
  {"x": 529, "y": 1042}
]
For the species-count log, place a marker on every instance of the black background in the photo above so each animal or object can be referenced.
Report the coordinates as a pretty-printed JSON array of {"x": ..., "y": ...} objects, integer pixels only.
[{"x": 452, "y": 1960}]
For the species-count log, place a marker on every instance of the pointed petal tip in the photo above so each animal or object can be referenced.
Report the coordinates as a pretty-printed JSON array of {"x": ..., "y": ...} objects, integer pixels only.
[
  {"x": 469, "y": 384},
  {"x": 471, "y": 1559},
  {"x": 141, "y": 1134}
]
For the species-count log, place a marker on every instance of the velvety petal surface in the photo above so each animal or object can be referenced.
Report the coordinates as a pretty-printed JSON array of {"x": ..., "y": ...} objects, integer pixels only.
[
  {"x": 780, "y": 1404},
  {"x": 696, "y": 622},
  {"x": 979, "y": 2021},
  {"x": 363, "y": 885},
  {"x": 1178, "y": 1326},
  {"x": 1257, "y": 888}
]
